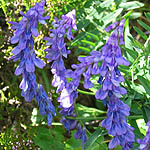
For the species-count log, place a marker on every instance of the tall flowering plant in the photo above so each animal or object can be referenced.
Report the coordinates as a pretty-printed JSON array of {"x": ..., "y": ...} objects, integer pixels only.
[
  {"x": 110, "y": 91},
  {"x": 115, "y": 122},
  {"x": 104, "y": 63},
  {"x": 24, "y": 51},
  {"x": 67, "y": 90}
]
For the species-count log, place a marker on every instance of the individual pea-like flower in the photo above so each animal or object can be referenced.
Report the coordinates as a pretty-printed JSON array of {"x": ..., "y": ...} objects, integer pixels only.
[
  {"x": 145, "y": 143},
  {"x": 69, "y": 124},
  {"x": 24, "y": 51},
  {"x": 111, "y": 26}
]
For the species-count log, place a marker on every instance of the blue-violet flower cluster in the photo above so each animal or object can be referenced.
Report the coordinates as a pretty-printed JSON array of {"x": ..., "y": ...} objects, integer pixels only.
[
  {"x": 115, "y": 122},
  {"x": 56, "y": 52},
  {"x": 109, "y": 80},
  {"x": 24, "y": 51}
]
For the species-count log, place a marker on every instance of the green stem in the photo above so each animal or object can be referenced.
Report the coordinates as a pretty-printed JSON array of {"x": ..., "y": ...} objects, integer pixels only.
[
  {"x": 85, "y": 92},
  {"x": 101, "y": 118},
  {"x": 56, "y": 124}
]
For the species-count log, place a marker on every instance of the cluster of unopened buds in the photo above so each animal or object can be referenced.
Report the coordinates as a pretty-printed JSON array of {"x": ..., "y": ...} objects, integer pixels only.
[{"x": 109, "y": 75}]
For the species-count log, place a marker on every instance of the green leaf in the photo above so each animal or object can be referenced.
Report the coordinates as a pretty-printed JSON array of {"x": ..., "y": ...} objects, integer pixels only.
[
  {"x": 87, "y": 111},
  {"x": 131, "y": 5},
  {"x": 136, "y": 129},
  {"x": 137, "y": 45},
  {"x": 147, "y": 110},
  {"x": 135, "y": 15},
  {"x": 138, "y": 88},
  {"x": 132, "y": 53},
  {"x": 27, "y": 5},
  {"x": 46, "y": 80},
  {"x": 145, "y": 26},
  {"x": 142, "y": 126},
  {"x": 50, "y": 139},
  {"x": 127, "y": 36},
  {"x": 145, "y": 83},
  {"x": 93, "y": 35},
  {"x": 146, "y": 113},
  {"x": 128, "y": 14},
  {"x": 84, "y": 48},
  {"x": 140, "y": 33},
  {"x": 135, "y": 108},
  {"x": 99, "y": 144},
  {"x": 72, "y": 143},
  {"x": 147, "y": 16},
  {"x": 3, "y": 5},
  {"x": 111, "y": 16},
  {"x": 89, "y": 43},
  {"x": 93, "y": 138}
]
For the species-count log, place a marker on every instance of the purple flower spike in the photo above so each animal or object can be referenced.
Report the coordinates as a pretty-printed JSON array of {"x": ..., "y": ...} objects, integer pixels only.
[
  {"x": 56, "y": 52},
  {"x": 64, "y": 79},
  {"x": 145, "y": 143},
  {"x": 23, "y": 35},
  {"x": 109, "y": 80}
]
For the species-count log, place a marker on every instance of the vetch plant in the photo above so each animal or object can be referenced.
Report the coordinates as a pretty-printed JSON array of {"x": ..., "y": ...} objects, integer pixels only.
[
  {"x": 110, "y": 91},
  {"x": 68, "y": 90},
  {"x": 115, "y": 122},
  {"x": 104, "y": 63},
  {"x": 24, "y": 51}
]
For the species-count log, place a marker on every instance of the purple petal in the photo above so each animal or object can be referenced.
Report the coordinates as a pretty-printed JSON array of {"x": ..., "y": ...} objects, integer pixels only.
[
  {"x": 107, "y": 123},
  {"x": 22, "y": 13},
  {"x": 49, "y": 118},
  {"x": 122, "y": 90},
  {"x": 16, "y": 50},
  {"x": 103, "y": 69},
  {"x": 23, "y": 85},
  {"x": 100, "y": 94},
  {"x": 22, "y": 43},
  {"x": 114, "y": 142},
  {"x": 29, "y": 65},
  {"x": 18, "y": 71},
  {"x": 14, "y": 23},
  {"x": 38, "y": 62},
  {"x": 87, "y": 84},
  {"x": 52, "y": 55},
  {"x": 14, "y": 39},
  {"x": 34, "y": 31},
  {"x": 42, "y": 21},
  {"x": 61, "y": 43},
  {"x": 122, "y": 61},
  {"x": 111, "y": 26}
]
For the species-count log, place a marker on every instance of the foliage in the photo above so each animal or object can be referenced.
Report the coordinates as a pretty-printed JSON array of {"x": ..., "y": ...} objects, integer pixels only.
[{"x": 21, "y": 124}]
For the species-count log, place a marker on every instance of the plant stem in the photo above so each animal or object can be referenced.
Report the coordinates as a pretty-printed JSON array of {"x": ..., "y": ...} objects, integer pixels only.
[
  {"x": 101, "y": 118},
  {"x": 85, "y": 92}
]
